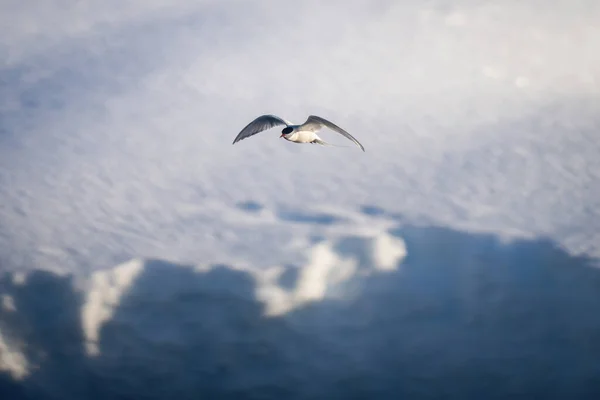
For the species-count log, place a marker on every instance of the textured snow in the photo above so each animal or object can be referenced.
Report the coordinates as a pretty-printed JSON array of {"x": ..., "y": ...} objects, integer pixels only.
[
  {"x": 459, "y": 315},
  {"x": 121, "y": 194}
]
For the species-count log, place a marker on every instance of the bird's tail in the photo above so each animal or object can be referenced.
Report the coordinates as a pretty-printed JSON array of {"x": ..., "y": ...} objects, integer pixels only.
[{"x": 324, "y": 143}]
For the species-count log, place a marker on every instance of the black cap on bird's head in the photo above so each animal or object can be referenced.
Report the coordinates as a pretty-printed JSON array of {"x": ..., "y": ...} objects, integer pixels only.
[{"x": 286, "y": 130}]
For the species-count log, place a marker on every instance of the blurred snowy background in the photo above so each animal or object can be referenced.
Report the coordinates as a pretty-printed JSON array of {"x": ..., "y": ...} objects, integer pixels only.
[{"x": 144, "y": 256}]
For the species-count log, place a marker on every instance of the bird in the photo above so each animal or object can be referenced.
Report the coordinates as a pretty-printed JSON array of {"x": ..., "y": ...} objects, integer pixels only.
[{"x": 303, "y": 133}]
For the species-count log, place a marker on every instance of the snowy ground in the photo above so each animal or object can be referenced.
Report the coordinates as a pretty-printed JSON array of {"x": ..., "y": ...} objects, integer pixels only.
[{"x": 144, "y": 256}]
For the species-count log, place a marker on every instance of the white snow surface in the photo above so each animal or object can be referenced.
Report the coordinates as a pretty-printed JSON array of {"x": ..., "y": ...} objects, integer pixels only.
[{"x": 121, "y": 194}]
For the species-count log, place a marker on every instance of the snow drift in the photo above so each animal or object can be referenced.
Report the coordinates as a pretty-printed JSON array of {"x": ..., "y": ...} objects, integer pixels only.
[{"x": 412, "y": 312}]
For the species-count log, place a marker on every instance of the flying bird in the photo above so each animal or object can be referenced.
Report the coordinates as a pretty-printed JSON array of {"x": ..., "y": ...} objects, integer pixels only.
[{"x": 304, "y": 133}]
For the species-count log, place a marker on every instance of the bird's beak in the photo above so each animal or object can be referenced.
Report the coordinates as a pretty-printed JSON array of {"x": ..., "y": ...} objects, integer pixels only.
[{"x": 281, "y": 135}]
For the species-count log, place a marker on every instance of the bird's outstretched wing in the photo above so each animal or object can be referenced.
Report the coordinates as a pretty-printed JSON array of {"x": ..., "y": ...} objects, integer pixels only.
[
  {"x": 260, "y": 124},
  {"x": 314, "y": 123}
]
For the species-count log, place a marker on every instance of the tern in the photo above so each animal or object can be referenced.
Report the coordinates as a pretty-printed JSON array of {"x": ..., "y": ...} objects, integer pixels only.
[{"x": 304, "y": 133}]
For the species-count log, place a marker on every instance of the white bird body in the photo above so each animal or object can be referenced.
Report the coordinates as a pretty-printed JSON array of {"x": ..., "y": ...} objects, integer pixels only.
[
  {"x": 304, "y": 133},
  {"x": 300, "y": 136}
]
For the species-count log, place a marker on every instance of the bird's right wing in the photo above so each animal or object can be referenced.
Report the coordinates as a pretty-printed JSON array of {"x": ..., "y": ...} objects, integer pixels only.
[{"x": 260, "y": 124}]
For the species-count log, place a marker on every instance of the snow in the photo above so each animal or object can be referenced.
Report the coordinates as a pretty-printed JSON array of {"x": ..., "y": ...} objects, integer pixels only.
[
  {"x": 135, "y": 237},
  {"x": 463, "y": 314}
]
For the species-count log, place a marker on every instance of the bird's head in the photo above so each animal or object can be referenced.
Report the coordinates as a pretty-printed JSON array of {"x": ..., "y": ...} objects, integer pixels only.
[{"x": 286, "y": 131}]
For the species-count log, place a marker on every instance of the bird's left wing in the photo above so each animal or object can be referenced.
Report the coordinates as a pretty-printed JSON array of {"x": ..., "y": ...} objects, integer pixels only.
[
  {"x": 260, "y": 124},
  {"x": 314, "y": 123}
]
